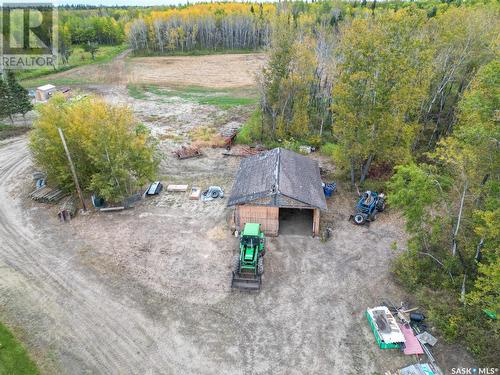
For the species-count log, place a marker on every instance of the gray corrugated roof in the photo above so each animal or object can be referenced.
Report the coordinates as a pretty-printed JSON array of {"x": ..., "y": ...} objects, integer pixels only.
[{"x": 278, "y": 171}]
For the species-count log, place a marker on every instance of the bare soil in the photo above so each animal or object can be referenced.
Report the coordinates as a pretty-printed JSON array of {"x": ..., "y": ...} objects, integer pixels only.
[
  {"x": 147, "y": 290},
  {"x": 212, "y": 71}
]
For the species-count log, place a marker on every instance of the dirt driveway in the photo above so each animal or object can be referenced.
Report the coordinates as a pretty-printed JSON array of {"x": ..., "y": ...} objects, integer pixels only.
[{"x": 146, "y": 291}]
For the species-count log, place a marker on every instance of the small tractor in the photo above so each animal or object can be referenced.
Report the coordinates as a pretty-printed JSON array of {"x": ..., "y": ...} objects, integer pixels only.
[
  {"x": 248, "y": 266},
  {"x": 370, "y": 203}
]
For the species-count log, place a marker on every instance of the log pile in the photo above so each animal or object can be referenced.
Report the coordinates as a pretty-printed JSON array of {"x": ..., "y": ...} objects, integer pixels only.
[{"x": 47, "y": 195}]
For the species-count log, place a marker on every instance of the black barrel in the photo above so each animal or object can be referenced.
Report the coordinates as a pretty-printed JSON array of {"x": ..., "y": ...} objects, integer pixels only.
[{"x": 417, "y": 317}]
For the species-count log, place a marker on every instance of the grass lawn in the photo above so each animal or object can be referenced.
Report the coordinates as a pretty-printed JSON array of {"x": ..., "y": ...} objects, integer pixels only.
[
  {"x": 223, "y": 98},
  {"x": 78, "y": 58},
  {"x": 14, "y": 359}
]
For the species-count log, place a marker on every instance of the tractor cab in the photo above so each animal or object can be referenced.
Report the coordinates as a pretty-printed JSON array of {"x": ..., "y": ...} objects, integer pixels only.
[
  {"x": 248, "y": 265},
  {"x": 249, "y": 254}
]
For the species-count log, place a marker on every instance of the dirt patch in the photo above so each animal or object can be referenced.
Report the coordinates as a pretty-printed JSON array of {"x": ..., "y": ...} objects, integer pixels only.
[
  {"x": 151, "y": 285},
  {"x": 216, "y": 71},
  {"x": 147, "y": 290},
  {"x": 212, "y": 71}
]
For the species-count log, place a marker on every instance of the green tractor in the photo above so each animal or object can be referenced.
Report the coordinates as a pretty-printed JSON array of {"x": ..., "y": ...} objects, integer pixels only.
[{"x": 249, "y": 264}]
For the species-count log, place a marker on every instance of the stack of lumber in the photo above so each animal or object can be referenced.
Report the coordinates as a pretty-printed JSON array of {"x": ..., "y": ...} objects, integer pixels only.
[{"x": 47, "y": 195}]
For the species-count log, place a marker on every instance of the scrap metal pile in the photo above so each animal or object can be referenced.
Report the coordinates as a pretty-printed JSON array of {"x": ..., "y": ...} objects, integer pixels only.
[
  {"x": 244, "y": 151},
  {"x": 404, "y": 329},
  {"x": 186, "y": 152},
  {"x": 229, "y": 135}
]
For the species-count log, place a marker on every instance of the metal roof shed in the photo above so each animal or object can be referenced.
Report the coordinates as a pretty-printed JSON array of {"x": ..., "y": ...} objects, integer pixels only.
[{"x": 276, "y": 179}]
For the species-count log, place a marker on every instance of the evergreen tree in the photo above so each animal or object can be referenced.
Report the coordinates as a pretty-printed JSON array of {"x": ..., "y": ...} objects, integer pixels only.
[
  {"x": 20, "y": 101},
  {"x": 6, "y": 107}
]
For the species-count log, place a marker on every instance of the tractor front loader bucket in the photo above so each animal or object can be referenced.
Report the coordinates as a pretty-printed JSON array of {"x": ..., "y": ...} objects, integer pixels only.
[{"x": 246, "y": 282}]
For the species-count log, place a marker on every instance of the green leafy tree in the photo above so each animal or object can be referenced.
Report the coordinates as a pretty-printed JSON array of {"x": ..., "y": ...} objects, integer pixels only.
[
  {"x": 382, "y": 81},
  {"x": 65, "y": 48},
  {"x": 454, "y": 224},
  {"x": 113, "y": 154},
  {"x": 92, "y": 48}
]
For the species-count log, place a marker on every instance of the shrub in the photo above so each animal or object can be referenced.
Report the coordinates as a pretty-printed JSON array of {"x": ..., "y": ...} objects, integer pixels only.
[{"x": 251, "y": 130}]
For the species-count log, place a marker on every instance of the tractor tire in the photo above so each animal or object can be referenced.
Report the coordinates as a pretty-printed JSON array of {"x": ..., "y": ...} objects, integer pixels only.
[
  {"x": 359, "y": 219},
  {"x": 381, "y": 205},
  {"x": 260, "y": 266},
  {"x": 236, "y": 264}
]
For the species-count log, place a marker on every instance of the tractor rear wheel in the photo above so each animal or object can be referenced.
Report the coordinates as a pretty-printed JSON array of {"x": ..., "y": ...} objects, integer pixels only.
[
  {"x": 381, "y": 205},
  {"x": 260, "y": 266},
  {"x": 359, "y": 219},
  {"x": 236, "y": 264}
]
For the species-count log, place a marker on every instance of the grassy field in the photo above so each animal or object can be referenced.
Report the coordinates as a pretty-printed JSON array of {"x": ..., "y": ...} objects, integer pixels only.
[
  {"x": 14, "y": 359},
  {"x": 223, "y": 98},
  {"x": 78, "y": 58}
]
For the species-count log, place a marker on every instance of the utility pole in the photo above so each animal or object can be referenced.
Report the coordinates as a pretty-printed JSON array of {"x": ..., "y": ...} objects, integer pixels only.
[{"x": 73, "y": 171}]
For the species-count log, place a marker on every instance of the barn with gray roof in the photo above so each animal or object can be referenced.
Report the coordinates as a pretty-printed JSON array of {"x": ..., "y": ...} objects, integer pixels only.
[{"x": 274, "y": 180}]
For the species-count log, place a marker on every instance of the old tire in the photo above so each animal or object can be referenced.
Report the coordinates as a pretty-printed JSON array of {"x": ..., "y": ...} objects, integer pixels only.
[
  {"x": 381, "y": 205},
  {"x": 214, "y": 194},
  {"x": 359, "y": 219},
  {"x": 260, "y": 266},
  {"x": 236, "y": 264}
]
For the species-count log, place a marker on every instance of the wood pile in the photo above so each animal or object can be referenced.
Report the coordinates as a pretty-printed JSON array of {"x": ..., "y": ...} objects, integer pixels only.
[
  {"x": 187, "y": 152},
  {"x": 47, "y": 195}
]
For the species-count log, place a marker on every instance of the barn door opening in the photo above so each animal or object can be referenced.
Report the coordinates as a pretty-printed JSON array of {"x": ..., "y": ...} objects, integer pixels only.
[{"x": 296, "y": 221}]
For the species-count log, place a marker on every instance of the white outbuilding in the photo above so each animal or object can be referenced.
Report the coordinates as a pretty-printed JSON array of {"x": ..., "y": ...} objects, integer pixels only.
[{"x": 44, "y": 92}]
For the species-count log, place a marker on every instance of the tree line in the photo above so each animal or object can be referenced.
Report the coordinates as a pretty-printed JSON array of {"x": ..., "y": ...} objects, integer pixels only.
[{"x": 201, "y": 27}]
